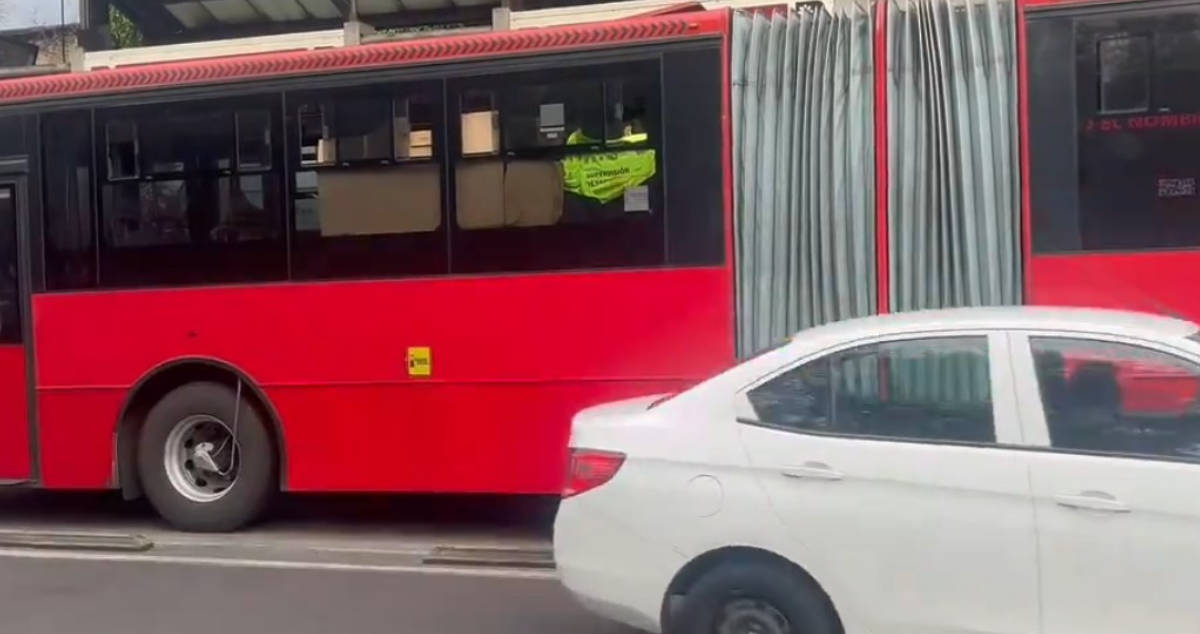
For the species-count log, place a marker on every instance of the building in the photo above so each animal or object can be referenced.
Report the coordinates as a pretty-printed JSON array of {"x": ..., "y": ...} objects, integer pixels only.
[{"x": 39, "y": 49}]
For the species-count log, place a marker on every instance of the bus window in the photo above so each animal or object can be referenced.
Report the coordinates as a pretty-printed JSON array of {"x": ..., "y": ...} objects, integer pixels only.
[
  {"x": 189, "y": 195},
  {"x": 578, "y": 182},
  {"x": 367, "y": 185},
  {"x": 69, "y": 213},
  {"x": 1114, "y": 166}
]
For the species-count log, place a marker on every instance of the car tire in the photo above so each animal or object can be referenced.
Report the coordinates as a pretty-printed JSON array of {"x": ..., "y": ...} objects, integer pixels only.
[
  {"x": 185, "y": 494},
  {"x": 774, "y": 597}
]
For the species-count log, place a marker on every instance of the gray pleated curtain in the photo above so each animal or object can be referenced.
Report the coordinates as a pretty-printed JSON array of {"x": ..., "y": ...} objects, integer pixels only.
[
  {"x": 954, "y": 220},
  {"x": 804, "y": 170}
]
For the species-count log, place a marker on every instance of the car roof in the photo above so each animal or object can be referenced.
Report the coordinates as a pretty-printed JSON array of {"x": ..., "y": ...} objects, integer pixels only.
[{"x": 1082, "y": 320}]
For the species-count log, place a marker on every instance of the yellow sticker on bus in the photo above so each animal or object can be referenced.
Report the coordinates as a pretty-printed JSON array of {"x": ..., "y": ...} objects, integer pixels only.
[{"x": 420, "y": 361}]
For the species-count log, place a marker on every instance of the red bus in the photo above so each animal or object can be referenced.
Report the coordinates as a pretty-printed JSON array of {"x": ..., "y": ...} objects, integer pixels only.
[{"x": 357, "y": 269}]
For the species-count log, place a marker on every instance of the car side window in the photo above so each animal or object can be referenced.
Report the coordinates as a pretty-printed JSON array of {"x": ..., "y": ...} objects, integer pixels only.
[
  {"x": 1118, "y": 398},
  {"x": 918, "y": 389}
]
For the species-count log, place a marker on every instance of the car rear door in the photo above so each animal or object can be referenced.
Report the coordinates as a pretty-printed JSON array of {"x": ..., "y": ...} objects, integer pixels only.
[
  {"x": 885, "y": 462},
  {"x": 1115, "y": 485}
]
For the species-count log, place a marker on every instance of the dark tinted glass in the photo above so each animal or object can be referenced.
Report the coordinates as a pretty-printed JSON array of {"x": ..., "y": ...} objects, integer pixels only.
[
  {"x": 1176, "y": 66},
  {"x": 1118, "y": 398},
  {"x": 367, "y": 188},
  {"x": 207, "y": 207},
  {"x": 695, "y": 192},
  {"x": 121, "y": 148},
  {"x": 363, "y": 127},
  {"x": 540, "y": 115},
  {"x": 1113, "y": 161},
  {"x": 801, "y": 398},
  {"x": 1053, "y": 130},
  {"x": 926, "y": 389},
  {"x": 185, "y": 138},
  {"x": 552, "y": 170},
  {"x": 10, "y": 296},
  {"x": 1124, "y": 80},
  {"x": 69, "y": 214},
  {"x": 13, "y": 141},
  {"x": 254, "y": 140},
  {"x": 567, "y": 174}
]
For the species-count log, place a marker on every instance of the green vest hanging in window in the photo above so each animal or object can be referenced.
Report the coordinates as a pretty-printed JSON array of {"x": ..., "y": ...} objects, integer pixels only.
[{"x": 604, "y": 176}]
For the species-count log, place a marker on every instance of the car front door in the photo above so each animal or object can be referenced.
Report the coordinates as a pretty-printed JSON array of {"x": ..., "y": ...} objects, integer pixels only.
[
  {"x": 885, "y": 462},
  {"x": 1116, "y": 488}
]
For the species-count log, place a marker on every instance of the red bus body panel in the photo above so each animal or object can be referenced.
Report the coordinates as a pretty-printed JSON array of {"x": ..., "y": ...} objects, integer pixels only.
[
  {"x": 15, "y": 462},
  {"x": 1157, "y": 282},
  {"x": 513, "y": 358}
]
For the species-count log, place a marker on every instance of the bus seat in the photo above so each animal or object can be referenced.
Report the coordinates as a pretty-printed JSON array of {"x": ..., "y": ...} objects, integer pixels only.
[
  {"x": 533, "y": 193},
  {"x": 378, "y": 200},
  {"x": 480, "y": 193}
]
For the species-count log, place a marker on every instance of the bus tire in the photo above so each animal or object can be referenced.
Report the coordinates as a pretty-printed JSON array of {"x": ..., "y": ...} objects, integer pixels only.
[{"x": 194, "y": 476}]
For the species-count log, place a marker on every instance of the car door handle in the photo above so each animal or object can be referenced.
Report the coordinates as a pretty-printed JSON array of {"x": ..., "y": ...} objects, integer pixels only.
[
  {"x": 812, "y": 471},
  {"x": 1092, "y": 501}
]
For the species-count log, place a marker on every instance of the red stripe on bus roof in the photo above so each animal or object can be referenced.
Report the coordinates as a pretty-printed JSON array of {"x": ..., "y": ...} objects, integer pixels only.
[{"x": 381, "y": 55}]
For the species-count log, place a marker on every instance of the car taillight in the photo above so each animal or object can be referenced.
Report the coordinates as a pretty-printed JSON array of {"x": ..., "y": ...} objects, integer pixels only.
[{"x": 589, "y": 468}]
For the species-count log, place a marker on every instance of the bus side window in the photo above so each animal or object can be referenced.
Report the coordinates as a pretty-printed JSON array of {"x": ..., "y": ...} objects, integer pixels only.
[
  {"x": 1113, "y": 129},
  {"x": 367, "y": 183},
  {"x": 10, "y": 322},
  {"x": 577, "y": 181}
]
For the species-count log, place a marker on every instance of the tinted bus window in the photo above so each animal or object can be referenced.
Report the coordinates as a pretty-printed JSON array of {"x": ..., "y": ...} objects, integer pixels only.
[
  {"x": 367, "y": 182},
  {"x": 69, "y": 211},
  {"x": 1114, "y": 123},
  {"x": 509, "y": 172},
  {"x": 10, "y": 297},
  {"x": 559, "y": 169},
  {"x": 1123, "y": 73},
  {"x": 188, "y": 194},
  {"x": 694, "y": 140}
]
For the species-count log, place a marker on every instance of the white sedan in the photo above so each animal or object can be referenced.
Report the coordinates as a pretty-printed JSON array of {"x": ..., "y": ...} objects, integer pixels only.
[{"x": 982, "y": 471}]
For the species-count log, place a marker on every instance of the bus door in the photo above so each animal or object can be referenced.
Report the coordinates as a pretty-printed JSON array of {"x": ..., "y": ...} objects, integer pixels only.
[{"x": 16, "y": 455}]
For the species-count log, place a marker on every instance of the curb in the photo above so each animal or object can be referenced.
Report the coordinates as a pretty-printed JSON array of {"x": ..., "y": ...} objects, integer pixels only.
[
  {"x": 75, "y": 541},
  {"x": 530, "y": 558}
]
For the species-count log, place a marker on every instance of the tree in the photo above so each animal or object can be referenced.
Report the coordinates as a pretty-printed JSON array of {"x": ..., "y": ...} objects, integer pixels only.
[{"x": 125, "y": 33}]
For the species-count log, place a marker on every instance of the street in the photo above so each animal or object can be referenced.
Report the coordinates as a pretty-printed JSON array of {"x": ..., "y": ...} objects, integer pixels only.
[
  {"x": 356, "y": 565},
  {"x": 48, "y": 596}
]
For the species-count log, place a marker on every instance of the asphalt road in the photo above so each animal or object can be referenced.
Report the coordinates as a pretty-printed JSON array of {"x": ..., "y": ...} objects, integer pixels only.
[
  {"x": 319, "y": 564},
  {"x": 68, "y": 596}
]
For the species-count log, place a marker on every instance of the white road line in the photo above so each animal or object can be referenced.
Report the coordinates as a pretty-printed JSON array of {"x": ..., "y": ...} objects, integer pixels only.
[{"x": 465, "y": 571}]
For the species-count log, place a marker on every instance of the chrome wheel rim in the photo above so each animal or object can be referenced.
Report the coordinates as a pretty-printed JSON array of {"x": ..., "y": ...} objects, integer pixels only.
[
  {"x": 751, "y": 616},
  {"x": 201, "y": 458}
]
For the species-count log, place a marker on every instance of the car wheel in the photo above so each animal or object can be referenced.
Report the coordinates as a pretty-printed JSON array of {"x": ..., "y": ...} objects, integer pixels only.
[
  {"x": 755, "y": 597},
  {"x": 206, "y": 459}
]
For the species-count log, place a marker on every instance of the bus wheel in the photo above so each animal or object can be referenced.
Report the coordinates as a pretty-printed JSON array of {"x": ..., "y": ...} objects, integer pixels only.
[{"x": 206, "y": 459}]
